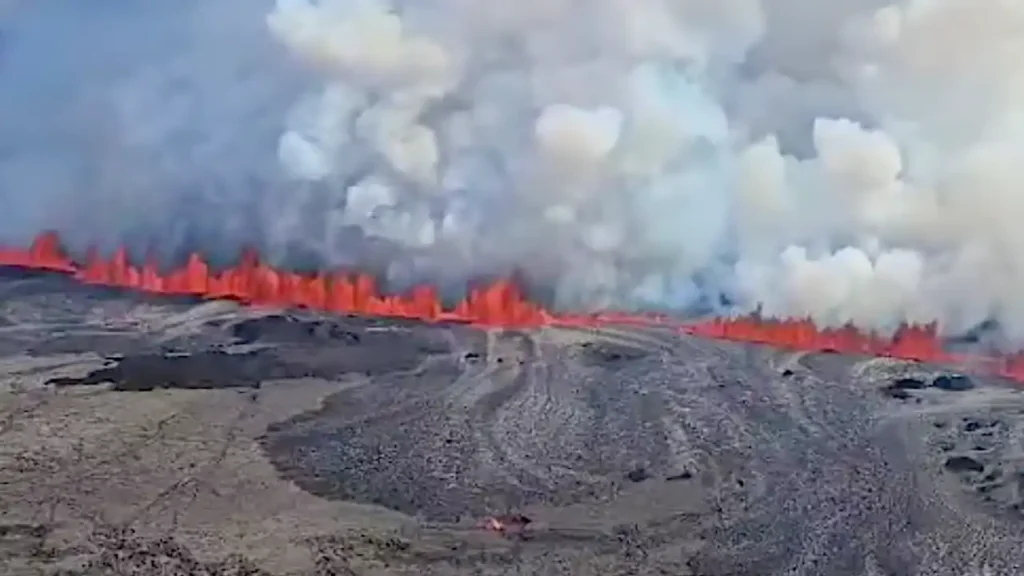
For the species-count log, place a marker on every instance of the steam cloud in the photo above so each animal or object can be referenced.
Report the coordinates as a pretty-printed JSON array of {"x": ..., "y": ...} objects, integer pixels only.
[{"x": 857, "y": 160}]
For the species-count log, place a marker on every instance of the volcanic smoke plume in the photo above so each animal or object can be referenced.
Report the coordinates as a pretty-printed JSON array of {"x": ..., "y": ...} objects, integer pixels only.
[{"x": 855, "y": 160}]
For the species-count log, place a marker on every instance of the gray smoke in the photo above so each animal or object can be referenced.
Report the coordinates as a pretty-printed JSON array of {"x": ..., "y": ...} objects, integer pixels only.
[{"x": 856, "y": 160}]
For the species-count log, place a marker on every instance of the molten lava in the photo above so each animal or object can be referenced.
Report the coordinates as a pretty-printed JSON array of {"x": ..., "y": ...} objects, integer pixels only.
[
  {"x": 919, "y": 343},
  {"x": 501, "y": 304},
  {"x": 253, "y": 282},
  {"x": 506, "y": 524}
]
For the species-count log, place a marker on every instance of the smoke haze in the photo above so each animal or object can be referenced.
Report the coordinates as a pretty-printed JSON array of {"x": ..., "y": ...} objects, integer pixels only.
[{"x": 855, "y": 160}]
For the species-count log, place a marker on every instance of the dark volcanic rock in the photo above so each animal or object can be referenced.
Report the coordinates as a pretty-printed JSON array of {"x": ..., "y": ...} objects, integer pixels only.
[
  {"x": 977, "y": 424},
  {"x": 340, "y": 331},
  {"x": 197, "y": 371},
  {"x": 897, "y": 393},
  {"x": 610, "y": 355},
  {"x": 348, "y": 336},
  {"x": 207, "y": 369},
  {"x": 900, "y": 388},
  {"x": 637, "y": 475},
  {"x": 963, "y": 464},
  {"x": 279, "y": 328},
  {"x": 909, "y": 384},
  {"x": 953, "y": 383}
]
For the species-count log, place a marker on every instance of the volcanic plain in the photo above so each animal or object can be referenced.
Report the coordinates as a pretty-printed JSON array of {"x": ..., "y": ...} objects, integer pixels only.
[{"x": 145, "y": 436}]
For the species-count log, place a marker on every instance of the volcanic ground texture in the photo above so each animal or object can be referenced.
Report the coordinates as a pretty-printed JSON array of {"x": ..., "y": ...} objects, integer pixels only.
[{"x": 187, "y": 436}]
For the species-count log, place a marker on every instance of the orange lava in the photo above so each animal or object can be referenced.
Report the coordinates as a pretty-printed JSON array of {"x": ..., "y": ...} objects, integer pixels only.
[
  {"x": 919, "y": 343},
  {"x": 500, "y": 304},
  {"x": 253, "y": 282},
  {"x": 506, "y": 524}
]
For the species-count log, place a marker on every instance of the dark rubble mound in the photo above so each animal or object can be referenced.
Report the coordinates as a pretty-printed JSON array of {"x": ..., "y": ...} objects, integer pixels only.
[
  {"x": 901, "y": 388},
  {"x": 953, "y": 383},
  {"x": 610, "y": 354}
]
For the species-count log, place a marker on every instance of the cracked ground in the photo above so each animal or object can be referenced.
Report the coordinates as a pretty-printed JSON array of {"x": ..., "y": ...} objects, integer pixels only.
[{"x": 151, "y": 436}]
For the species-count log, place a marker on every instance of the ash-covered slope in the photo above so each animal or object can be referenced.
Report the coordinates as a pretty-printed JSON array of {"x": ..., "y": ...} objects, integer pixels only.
[{"x": 214, "y": 440}]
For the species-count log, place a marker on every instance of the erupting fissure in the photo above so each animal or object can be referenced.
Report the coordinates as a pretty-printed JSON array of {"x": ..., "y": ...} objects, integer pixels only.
[
  {"x": 253, "y": 282},
  {"x": 500, "y": 304},
  {"x": 920, "y": 343}
]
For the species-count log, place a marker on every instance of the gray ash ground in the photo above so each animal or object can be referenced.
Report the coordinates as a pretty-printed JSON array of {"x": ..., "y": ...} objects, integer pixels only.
[
  {"x": 141, "y": 434},
  {"x": 466, "y": 442}
]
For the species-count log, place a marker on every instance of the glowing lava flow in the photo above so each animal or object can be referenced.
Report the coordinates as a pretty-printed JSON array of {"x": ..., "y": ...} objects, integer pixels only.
[
  {"x": 252, "y": 282},
  {"x": 920, "y": 343},
  {"x": 499, "y": 305}
]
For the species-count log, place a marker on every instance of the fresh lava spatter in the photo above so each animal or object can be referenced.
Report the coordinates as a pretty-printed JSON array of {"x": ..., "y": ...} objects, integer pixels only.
[{"x": 499, "y": 305}]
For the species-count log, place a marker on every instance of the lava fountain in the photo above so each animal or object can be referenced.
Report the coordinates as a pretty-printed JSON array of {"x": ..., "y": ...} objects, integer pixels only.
[{"x": 498, "y": 305}]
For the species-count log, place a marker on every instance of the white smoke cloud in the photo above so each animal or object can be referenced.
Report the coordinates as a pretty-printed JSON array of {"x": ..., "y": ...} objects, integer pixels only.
[
  {"x": 851, "y": 161},
  {"x": 650, "y": 164}
]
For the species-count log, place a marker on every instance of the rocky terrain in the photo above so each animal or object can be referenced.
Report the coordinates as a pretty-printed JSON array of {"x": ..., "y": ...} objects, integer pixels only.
[{"x": 149, "y": 436}]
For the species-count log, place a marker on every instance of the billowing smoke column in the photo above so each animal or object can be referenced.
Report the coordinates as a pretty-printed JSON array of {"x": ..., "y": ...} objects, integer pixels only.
[{"x": 851, "y": 161}]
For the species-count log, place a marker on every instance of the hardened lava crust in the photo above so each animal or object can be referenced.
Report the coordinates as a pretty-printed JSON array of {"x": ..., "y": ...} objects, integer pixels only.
[{"x": 143, "y": 436}]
